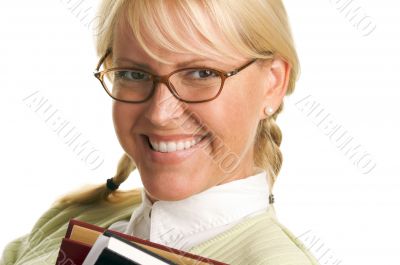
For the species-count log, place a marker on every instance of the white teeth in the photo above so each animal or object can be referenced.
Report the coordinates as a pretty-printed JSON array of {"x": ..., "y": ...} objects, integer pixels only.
[
  {"x": 180, "y": 146},
  {"x": 173, "y": 146},
  {"x": 162, "y": 147}
]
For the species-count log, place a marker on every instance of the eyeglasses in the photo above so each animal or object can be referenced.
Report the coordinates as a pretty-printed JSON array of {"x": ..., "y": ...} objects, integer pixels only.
[{"x": 191, "y": 85}]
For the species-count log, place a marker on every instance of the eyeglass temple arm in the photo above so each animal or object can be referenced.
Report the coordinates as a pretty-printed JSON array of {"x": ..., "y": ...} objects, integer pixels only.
[
  {"x": 101, "y": 61},
  {"x": 234, "y": 72}
]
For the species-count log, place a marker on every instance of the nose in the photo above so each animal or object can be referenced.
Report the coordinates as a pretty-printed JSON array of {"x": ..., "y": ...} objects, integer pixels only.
[{"x": 163, "y": 107}]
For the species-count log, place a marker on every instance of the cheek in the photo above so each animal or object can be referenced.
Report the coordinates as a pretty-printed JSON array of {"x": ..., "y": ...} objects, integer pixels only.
[
  {"x": 240, "y": 105},
  {"x": 233, "y": 117},
  {"x": 124, "y": 118},
  {"x": 118, "y": 115},
  {"x": 238, "y": 124}
]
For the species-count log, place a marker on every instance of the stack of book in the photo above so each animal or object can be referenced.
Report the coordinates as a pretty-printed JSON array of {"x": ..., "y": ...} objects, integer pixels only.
[{"x": 87, "y": 244}]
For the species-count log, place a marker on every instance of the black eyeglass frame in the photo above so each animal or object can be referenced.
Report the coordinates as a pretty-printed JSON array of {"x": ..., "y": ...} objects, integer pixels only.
[{"x": 165, "y": 79}]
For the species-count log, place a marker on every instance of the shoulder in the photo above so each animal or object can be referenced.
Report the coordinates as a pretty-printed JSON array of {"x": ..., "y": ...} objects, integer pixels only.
[
  {"x": 261, "y": 239},
  {"x": 49, "y": 230}
]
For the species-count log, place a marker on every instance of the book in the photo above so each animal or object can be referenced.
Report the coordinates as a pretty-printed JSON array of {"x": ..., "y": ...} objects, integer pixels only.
[
  {"x": 81, "y": 237},
  {"x": 112, "y": 249}
]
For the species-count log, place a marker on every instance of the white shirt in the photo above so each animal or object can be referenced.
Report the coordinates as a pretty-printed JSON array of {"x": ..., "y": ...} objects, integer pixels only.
[{"x": 186, "y": 223}]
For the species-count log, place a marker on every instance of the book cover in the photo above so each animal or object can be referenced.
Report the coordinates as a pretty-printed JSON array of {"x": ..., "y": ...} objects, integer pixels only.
[{"x": 81, "y": 236}]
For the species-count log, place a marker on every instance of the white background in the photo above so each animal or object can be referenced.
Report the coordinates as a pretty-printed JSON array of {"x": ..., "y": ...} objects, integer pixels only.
[{"x": 342, "y": 214}]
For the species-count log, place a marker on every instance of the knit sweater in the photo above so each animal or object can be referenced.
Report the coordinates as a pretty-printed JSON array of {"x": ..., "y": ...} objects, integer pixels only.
[{"x": 260, "y": 239}]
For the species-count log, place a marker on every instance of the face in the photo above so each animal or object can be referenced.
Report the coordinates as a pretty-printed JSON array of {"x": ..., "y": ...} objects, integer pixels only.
[{"x": 222, "y": 130}]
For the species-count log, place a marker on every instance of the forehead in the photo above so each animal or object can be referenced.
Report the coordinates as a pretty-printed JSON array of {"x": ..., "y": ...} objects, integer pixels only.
[{"x": 151, "y": 39}]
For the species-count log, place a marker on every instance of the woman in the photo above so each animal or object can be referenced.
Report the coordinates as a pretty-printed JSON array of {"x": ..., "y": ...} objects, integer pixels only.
[{"x": 196, "y": 88}]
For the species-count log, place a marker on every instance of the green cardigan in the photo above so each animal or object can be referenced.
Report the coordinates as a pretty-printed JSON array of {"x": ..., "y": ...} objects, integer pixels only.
[{"x": 260, "y": 239}]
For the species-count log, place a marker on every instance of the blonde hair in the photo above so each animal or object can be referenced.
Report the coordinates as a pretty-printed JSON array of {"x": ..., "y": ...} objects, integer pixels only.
[{"x": 253, "y": 27}]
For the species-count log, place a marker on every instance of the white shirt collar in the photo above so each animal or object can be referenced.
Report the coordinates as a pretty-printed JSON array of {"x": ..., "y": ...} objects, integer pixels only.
[{"x": 215, "y": 207}]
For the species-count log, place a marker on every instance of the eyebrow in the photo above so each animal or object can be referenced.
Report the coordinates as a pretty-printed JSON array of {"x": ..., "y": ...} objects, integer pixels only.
[{"x": 149, "y": 68}]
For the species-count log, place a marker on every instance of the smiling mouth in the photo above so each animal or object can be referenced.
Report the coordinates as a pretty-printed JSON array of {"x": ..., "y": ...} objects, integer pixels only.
[{"x": 175, "y": 146}]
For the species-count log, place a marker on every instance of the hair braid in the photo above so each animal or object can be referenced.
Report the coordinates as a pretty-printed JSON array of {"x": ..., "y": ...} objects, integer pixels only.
[{"x": 267, "y": 148}]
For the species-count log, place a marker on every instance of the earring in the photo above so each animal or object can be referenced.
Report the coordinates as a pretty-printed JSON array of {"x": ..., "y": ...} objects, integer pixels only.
[{"x": 268, "y": 111}]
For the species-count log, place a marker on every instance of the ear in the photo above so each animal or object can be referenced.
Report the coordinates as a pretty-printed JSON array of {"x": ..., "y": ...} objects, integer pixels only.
[{"x": 277, "y": 80}]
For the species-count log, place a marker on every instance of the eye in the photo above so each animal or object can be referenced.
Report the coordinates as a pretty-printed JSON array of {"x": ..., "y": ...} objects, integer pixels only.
[
  {"x": 202, "y": 73},
  {"x": 132, "y": 75}
]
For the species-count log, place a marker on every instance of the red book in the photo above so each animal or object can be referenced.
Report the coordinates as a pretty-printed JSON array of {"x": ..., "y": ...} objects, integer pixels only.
[{"x": 81, "y": 236}]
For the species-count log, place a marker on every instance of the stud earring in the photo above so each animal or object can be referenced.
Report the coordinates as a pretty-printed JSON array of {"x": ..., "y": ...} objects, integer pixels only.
[{"x": 268, "y": 111}]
